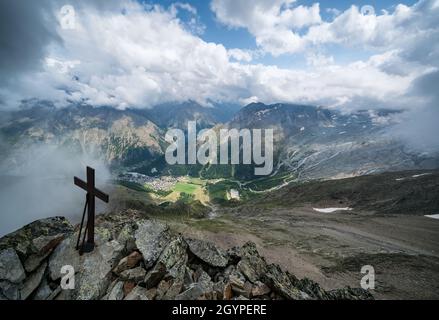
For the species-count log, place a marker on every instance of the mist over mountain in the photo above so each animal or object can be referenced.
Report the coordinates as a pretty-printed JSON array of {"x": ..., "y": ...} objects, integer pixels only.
[
  {"x": 36, "y": 181},
  {"x": 177, "y": 115}
]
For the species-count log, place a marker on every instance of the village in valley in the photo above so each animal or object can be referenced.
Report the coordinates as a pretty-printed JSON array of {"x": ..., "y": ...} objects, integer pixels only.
[
  {"x": 164, "y": 183},
  {"x": 173, "y": 188}
]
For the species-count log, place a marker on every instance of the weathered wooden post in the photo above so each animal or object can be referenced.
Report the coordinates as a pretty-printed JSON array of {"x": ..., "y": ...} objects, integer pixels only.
[{"x": 92, "y": 192}]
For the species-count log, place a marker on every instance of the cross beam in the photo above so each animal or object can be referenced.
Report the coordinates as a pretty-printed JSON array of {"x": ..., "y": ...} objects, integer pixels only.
[{"x": 92, "y": 192}]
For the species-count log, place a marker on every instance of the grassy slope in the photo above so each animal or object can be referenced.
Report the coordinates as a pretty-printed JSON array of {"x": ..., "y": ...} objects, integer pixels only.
[{"x": 383, "y": 193}]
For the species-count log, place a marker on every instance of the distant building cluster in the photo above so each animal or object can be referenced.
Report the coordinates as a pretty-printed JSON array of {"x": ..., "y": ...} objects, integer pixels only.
[
  {"x": 155, "y": 183},
  {"x": 233, "y": 194}
]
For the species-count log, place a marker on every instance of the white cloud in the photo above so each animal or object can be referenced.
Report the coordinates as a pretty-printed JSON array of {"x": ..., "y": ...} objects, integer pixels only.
[
  {"x": 319, "y": 59},
  {"x": 273, "y": 23},
  {"x": 123, "y": 54},
  {"x": 136, "y": 56},
  {"x": 62, "y": 66},
  {"x": 281, "y": 27},
  {"x": 240, "y": 55}
]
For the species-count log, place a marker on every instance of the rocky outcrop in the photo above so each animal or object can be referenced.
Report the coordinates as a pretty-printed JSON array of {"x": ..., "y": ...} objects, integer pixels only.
[
  {"x": 24, "y": 254},
  {"x": 208, "y": 253},
  {"x": 151, "y": 238},
  {"x": 137, "y": 258}
]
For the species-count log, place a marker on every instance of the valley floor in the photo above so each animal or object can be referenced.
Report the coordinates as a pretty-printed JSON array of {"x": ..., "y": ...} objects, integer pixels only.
[{"x": 332, "y": 248}]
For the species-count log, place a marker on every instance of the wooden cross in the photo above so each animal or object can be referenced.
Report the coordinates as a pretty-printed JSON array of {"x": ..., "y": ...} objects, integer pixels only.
[{"x": 92, "y": 192}]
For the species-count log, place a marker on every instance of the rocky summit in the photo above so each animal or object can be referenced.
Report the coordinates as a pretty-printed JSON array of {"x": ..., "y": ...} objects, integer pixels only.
[{"x": 138, "y": 258}]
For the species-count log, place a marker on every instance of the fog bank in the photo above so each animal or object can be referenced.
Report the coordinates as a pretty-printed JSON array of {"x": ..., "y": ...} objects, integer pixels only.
[{"x": 37, "y": 182}]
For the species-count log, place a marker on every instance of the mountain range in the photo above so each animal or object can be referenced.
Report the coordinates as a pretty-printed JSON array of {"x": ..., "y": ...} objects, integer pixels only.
[{"x": 310, "y": 142}]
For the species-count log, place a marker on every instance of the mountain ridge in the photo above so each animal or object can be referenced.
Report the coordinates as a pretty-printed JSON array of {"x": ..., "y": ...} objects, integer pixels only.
[{"x": 310, "y": 142}]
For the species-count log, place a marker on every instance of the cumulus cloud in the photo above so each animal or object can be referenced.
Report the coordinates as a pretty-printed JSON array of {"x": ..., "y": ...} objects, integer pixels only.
[
  {"x": 281, "y": 27},
  {"x": 272, "y": 23},
  {"x": 240, "y": 55},
  {"x": 129, "y": 55}
]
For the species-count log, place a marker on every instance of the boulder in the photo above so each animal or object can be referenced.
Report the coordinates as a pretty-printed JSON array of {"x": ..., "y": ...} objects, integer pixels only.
[
  {"x": 92, "y": 270},
  {"x": 252, "y": 265},
  {"x": 310, "y": 287},
  {"x": 128, "y": 286},
  {"x": 246, "y": 290},
  {"x": 151, "y": 237},
  {"x": 260, "y": 289},
  {"x": 135, "y": 275},
  {"x": 10, "y": 291},
  {"x": 64, "y": 254},
  {"x": 43, "y": 291},
  {"x": 174, "y": 257},
  {"x": 200, "y": 289},
  {"x": 11, "y": 269},
  {"x": 227, "y": 292},
  {"x": 32, "y": 282},
  {"x": 139, "y": 293},
  {"x": 128, "y": 262},
  {"x": 154, "y": 276},
  {"x": 194, "y": 292},
  {"x": 23, "y": 240},
  {"x": 41, "y": 248},
  {"x": 163, "y": 288},
  {"x": 188, "y": 277},
  {"x": 280, "y": 282},
  {"x": 117, "y": 292},
  {"x": 236, "y": 280},
  {"x": 249, "y": 270},
  {"x": 95, "y": 270},
  {"x": 208, "y": 253}
]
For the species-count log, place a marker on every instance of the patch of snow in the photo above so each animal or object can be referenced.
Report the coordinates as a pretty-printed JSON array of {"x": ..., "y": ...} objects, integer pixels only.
[
  {"x": 262, "y": 112},
  {"x": 343, "y": 132},
  {"x": 414, "y": 176},
  {"x": 331, "y": 210},
  {"x": 433, "y": 216},
  {"x": 421, "y": 175}
]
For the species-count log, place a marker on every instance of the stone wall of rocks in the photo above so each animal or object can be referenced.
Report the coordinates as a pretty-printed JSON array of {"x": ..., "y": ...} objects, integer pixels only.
[{"x": 137, "y": 258}]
